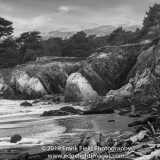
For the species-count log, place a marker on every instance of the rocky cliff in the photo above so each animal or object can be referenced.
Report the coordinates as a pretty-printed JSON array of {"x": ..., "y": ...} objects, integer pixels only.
[
  {"x": 103, "y": 71},
  {"x": 36, "y": 79},
  {"x": 143, "y": 87},
  {"x": 79, "y": 79}
]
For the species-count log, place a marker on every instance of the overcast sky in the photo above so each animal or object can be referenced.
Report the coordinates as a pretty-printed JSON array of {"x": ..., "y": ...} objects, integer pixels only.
[{"x": 73, "y": 15}]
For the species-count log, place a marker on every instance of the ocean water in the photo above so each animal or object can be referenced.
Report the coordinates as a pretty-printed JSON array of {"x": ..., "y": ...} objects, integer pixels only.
[
  {"x": 36, "y": 130},
  {"x": 26, "y": 121}
]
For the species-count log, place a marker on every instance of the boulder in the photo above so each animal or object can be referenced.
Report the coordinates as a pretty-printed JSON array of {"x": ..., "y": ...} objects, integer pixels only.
[
  {"x": 15, "y": 138},
  {"x": 112, "y": 120},
  {"x": 21, "y": 82},
  {"x": 143, "y": 80},
  {"x": 103, "y": 71},
  {"x": 70, "y": 110},
  {"x": 55, "y": 113},
  {"x": 78, "y": 89},
  {"x": 25, "y": 103}
]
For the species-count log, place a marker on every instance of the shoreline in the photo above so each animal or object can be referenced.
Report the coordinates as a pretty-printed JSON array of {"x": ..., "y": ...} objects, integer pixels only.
[{"x": 68, "y": 135}]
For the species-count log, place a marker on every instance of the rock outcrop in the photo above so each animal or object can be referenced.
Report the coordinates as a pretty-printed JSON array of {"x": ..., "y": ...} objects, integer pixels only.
[
  {"x": 5, "y": 90},
  {"x": 25, "y": 103},
  {"x": 55, "y": 113},
  {"x": 101, "y": 72},
  {"x": 143, "y": 87},
  {"x": 2, "y": 84},
  {"x": 36, "y": 79}
]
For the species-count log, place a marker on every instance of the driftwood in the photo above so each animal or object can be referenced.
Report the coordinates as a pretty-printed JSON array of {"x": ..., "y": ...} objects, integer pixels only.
[
  {"x": 141, "y": 135},
  {"x": 151, "y": 126},
  {"x": 146, "y": 151},
  {"x": 154, "y": 145},
  {"x": 134, "y": 115},
  {"x": 143, "y": 121},
  {"x": 154, "y": 154},
  {"x": 140, "y": 146}
]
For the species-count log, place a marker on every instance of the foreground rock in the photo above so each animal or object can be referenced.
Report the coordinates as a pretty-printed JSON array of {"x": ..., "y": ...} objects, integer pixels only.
[
  {"x": 144, "y": 145},
  {"x": 15, "y": 138},
  {"x": 67, "y": 110},
  {"x": 101, "y": 72},
  {"x": 142, "y": 88},
  {"x": 25, "y": 103},
  {"x": 55, "y": 113},
  {"x": 70, "y": 110}
]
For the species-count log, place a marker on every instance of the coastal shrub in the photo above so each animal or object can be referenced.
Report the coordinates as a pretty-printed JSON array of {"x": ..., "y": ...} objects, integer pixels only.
[{"x": 15, "y": 138}]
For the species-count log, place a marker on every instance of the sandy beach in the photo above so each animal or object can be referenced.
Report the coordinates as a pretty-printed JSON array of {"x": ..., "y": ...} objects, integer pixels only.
[{"x": 37, "y": 130}]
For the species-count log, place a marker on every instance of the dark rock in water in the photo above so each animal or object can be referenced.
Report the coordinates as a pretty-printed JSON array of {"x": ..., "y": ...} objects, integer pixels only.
[
  {"x": 70, "y": 110},
  {"x": 111, "y": 120},
  {"x": 15, "y": 138},
  {"x": 55, "y": 113},
  {"x": 105, "y": 70},
  {"x": 25, "y": 103},
  {"x": 143, "y": 79},
  {"x": 105, "y": 111}
]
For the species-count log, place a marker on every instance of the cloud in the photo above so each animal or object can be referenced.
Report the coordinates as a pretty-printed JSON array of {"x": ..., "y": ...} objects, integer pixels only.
[
  {"x": 24, "y": 25},
  {"x": 65, "y": 9},
  {"x": 5, "y": 7},
  {"x": 55, "y": 15}
]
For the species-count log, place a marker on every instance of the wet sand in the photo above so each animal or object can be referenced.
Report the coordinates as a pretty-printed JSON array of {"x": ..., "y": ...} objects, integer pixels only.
[
  {"x": 61, "y": 130},
  {"x": 103, "y": 124}
]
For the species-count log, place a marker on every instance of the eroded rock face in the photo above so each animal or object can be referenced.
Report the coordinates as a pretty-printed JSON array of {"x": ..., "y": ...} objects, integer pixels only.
[
  {"x": 5, "y": 90},
  {"x": 143, "y": 87},
  {"x": 23, "y": 83},
  {"x": 1, "y": 83},
  {"x": 78, "y": 89},
  {"x": 36, "y": 79},
  {"x": 101, "y": 72}
]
